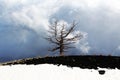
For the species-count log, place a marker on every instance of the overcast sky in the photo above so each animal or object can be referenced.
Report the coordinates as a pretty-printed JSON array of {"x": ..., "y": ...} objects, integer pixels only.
[{"x": 23, "y": 24}]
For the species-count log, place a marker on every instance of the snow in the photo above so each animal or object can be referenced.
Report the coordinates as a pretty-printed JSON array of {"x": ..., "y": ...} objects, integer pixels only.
[{"x": 54, "y": 72}]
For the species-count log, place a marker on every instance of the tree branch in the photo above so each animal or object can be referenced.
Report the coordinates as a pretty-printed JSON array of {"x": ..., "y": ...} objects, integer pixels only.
[{"x": 71, "y": 29}]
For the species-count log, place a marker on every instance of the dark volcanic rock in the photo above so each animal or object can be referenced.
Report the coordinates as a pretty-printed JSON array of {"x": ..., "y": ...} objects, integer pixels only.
[
  {"x": 90, "y": 62},
  {"x": 101, "y": 72}
]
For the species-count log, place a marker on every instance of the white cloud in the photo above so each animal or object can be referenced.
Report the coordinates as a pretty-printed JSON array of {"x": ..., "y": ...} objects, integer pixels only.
[
  {"x": 83, "y": 3},
  {"x": 99, "y": 18},
  {"x": 83, "y": 44},
  {"x": 34, "y": 16},
  {"x": 112, "y": 4},
  {"x": 85, "y": 48}
]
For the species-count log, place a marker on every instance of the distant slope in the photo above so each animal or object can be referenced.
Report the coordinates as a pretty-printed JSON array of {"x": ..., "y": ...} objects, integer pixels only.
[{"x": 90, "y": 62}]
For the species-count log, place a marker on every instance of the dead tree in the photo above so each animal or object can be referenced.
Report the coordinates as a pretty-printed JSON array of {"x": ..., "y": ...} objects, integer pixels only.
[{"x": 58, "y": 34}]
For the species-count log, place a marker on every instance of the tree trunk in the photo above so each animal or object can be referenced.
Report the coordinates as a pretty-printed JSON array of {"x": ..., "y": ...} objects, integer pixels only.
[
  {"x": 61, "y": 53},
  {"x": 61, "y": 47}
]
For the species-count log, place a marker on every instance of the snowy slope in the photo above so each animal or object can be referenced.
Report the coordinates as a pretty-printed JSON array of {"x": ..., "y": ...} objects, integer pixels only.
[{"x": 54, "y": 72}]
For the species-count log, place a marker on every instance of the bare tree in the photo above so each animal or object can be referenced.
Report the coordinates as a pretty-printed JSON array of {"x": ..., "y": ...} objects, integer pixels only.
[{"x": 58, "y": 35}]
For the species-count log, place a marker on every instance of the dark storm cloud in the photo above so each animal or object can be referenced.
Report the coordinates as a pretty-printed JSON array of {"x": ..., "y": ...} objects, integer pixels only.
[
  {"x": 101, "y": 24},
  {"x": 23, "y": 24}
]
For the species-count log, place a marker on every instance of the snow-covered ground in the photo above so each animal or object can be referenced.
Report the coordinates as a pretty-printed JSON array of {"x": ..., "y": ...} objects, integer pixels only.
[{"x": 54, "y": 72}]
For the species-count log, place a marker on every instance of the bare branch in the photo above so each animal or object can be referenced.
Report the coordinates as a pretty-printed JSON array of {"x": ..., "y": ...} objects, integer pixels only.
[
  {"x": 67, "y": 47},
  {"x": 58, "y": 37},
  {"x": 69, "y": 43},
  {"x": 52, "y": 41},
  {"x": 71, "y": 29},
  {"x": 54, "y": 49}
]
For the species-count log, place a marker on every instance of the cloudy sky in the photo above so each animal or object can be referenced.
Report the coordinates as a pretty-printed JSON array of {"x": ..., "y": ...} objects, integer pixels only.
[{"x": 23, "y": 24}]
